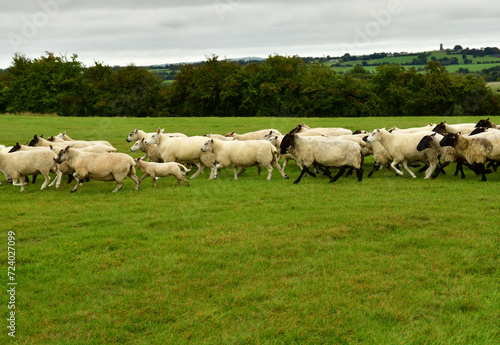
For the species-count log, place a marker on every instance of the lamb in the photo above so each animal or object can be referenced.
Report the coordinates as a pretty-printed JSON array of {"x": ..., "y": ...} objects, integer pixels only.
[
  {"x": 329, "y": 153},
  {"x": 243, "y": 154},
  {"x": 464, "y": 128},
  {"x": 138, "y": 134},
  {"x": 183, "y": 150},
  {"x": 99, "y": 166},
  {"x": 162, "y": 170},
  {"x": 18, "y": 165},
  {"x": 257, "y": 135},
  {"x": 152, "y": 152},
  {"x": 476, "y": 149},
  {"x": 403, "y": 149}
]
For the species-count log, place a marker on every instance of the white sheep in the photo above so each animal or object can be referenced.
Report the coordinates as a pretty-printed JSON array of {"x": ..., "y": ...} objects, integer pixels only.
[
  {"x": 256, "y": 135},
  {"x": 476, "y": 149},
  {"x": 403, "y": 149},
  {"x": 220, "y": 137},
  {"x": 151, "y": 151},
  {"x": 397, "y": 130},
  {"x": 183, "y": 150},
  {"x": 328, "y": 153},
  {"x": 155, "y": 170},
  {"x": 331, "y": 131},
  {"x": 138, "y": 134},
  {"x": 62, "y": 137},
  {"x": 78, "y": 144},
  {"x": 243, "y": 154},
  {"x": 99, "y": 166},
  {"x": 18, "y": 165}
]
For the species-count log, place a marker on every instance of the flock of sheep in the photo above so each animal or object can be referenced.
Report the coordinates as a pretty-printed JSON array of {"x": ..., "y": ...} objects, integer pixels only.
[{"x": 435, "y": 145}]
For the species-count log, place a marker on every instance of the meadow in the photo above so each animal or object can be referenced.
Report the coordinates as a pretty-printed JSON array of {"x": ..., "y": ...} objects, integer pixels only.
[{"x": 389, "y": 260}]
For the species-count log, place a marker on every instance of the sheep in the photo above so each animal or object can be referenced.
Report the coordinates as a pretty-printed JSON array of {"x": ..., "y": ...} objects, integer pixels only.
[
  {"x": 243, "y": 154},
  {"x": 257, "y": 135},
  {"x": 403, "y": 149},
  {"x": 219, "y": 136},
  {"x": 4, "y": 148},
  {"x": 78, "y": 144},
  {"x": 65, "y": 139},
  {"x": 162, "y": 170},
  {"x": 397, "y": 130},
  {"x": 138, "y": 134},
  {"x": 331, "y": 131},
  {"x": 476, "y": 149},
  {"x": 99, "y": 166},
  {"x": 18, "y": 165},
  {"x": 464, "y": 128},
  {"x": 329, "y": 153},
  {"x": 97, "y": 148},
  {"x": 183, "y": 150},
  {"x": 152, "y": 152}
]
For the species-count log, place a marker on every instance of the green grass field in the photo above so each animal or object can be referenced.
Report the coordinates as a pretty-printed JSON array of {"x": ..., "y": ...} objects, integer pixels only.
[{"x": 390, "y": 260}]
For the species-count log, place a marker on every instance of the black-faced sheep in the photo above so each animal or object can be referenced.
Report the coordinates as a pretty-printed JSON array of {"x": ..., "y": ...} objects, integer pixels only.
[{"x": 328, "y": 153}]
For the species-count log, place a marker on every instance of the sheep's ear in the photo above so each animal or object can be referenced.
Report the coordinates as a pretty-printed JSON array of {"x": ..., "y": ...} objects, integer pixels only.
[
  {"x": 158, "y": 131},
  {"x": 459, "y": 133},
  {"x": 142, "y": 140},
  {"x": 64, "y": 133}
]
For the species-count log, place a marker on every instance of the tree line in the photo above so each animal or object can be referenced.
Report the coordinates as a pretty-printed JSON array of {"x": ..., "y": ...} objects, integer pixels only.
[{"x": 277, "y": 86}]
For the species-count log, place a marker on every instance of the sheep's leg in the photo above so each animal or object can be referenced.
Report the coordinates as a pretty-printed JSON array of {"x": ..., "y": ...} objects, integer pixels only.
[
  {"x": 201, "y": 166},
  {"x": 143, "y": 177},
  {"x": 376, "y": 166},
  {"x": 269, "y": 172},
  {"x": 302, "y": 173},
  {"x": 119, "y": 185},
  {"x": 340, "y": 173},
  {"x": 430, "y": 170},
  {"x": 235, "y": 169},
  {"x": 259, "y": 168},
  {"x": 282, "y": 172},
  {"x": 22, "y": 180},
  {"x": 480, "y": 167},
  {"x": 46, "y": 182},
  {"x": 395, "y": 168},
  {"x": 359, "y": 174},
  {"x": 405, "y": 165},
  {"x": 153, "y": 176},
  {"x": 242, "y": 171},
  {"x": 134, "y": 177},
  {"x": 183, "y": 179}
]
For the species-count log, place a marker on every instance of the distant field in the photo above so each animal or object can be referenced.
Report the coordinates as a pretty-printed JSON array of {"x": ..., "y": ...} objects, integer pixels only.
[
  {"x": 390, "y": 260},
  {"x": 478, "y": 63}
]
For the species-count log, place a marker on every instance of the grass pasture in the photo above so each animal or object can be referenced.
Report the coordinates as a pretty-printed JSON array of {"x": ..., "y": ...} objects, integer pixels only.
[{"x": 390, "y": 260}]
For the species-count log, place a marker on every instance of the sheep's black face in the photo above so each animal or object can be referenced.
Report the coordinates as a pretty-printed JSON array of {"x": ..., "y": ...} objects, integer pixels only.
[
  {"x": 478, "y": 130},
  {"x": 34, "y": 141},
  {"x": 425, "y": 143},
  {"x": 15, "y": 148},
  {"x": 449, "y": 139},
  {"x": 286, "y": 143},
  {"x": 485, "y": 123},
  {"x": 440, "y": 129}
]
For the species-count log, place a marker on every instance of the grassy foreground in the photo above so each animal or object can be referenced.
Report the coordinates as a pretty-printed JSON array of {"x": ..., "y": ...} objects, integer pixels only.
[{"x": 390, "y": 260}]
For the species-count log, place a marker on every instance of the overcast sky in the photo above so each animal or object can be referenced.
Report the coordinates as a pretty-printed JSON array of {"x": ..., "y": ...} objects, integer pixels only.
[{"x": 155, "y": 32}]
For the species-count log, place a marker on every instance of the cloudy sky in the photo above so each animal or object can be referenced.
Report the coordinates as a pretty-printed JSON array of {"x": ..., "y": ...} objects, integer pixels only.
[{"x": 150, "y": 32}]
